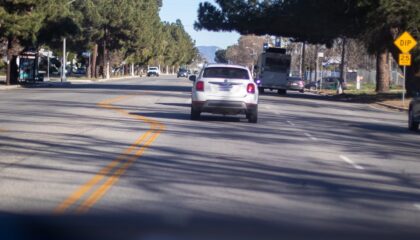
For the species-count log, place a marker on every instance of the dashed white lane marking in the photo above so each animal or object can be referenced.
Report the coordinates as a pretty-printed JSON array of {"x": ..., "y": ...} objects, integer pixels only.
[
  {"x": 188, "y": 101},
  {"x": 311, "y": 137},
  {"x": 292, "y": 124},
  {"x": 351, "y": 162},
  {"x": 417, "y": 206}
]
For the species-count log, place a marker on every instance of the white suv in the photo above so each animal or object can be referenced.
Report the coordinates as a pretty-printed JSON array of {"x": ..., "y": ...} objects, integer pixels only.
[{"x": 224, "y": 89}]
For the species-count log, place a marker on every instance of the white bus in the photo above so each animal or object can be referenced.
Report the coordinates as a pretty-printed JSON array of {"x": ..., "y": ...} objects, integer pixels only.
[{"x": 273, "y": 70}]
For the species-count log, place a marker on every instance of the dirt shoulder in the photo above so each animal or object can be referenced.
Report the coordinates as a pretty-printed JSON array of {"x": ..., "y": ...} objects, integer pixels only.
[{"x": 391, "y": 100}]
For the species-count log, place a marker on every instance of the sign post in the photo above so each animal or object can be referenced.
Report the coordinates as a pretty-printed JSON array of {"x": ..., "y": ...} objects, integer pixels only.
[{"x": 405, "y": 43}]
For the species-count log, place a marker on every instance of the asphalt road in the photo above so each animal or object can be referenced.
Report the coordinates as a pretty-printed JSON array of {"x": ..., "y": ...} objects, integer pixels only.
[{"x": 122, "y": 158}]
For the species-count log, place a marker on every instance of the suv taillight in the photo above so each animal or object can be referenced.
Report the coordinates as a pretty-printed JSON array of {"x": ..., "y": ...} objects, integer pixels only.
[
  {"x": 250, "y": 88},
  {"x": 199, "y": 86}
]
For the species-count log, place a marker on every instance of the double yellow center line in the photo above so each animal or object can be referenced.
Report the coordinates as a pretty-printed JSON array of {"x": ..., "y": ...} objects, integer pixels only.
[{"x": 93, "y": 190}]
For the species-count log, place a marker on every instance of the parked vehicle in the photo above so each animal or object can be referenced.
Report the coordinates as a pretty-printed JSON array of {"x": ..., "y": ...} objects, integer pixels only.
[
  {"x": 414, "y": 113},
  {"x": 182, "y": 72},
  {"x": 224, "y": 89},
  {"x": 327, "y": 83},
  {"x": 296, "y": 84},
  {"x": 332, "y": 83},
  {"x": 153, "y": 71},
  {"x": 80, "y": 71},
  {"x": 313, "y": 85},
  {"x": 273, "y": 70}
]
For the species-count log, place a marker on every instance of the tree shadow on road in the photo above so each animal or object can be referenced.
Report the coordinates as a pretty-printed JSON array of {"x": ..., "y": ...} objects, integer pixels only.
[{"x": 201, "y": 185}]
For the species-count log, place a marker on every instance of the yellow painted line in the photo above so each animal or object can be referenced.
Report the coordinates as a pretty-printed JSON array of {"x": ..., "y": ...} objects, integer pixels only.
[
  {"x": 98, "y": 194},
  {"x": 81, "y": 191}
]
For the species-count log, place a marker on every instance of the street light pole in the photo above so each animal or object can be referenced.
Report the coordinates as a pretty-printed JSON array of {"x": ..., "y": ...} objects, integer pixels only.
[{"x": 63, "y": 74}]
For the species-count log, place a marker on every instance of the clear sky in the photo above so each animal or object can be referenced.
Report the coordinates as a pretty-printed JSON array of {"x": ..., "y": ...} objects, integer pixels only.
[{"x": 186, "y": 10}]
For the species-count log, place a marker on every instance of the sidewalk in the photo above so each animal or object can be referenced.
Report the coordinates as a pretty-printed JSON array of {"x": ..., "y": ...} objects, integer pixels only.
[{"x": 395, "y": 104}]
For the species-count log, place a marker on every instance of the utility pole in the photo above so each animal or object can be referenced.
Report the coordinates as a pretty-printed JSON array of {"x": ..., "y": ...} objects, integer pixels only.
[
  {"x": 316, "y": 63},
  {"x": 343, "y": 60},
  {"x": 48, "y": 65},
  {"x": 302, "y": 61}
]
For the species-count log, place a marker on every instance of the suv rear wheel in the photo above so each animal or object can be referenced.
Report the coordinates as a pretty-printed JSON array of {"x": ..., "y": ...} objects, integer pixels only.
[
  {"x": 412, "y": 124},
  {"x": 195, "y": 115},
  {"x": 252, "y": 116}
]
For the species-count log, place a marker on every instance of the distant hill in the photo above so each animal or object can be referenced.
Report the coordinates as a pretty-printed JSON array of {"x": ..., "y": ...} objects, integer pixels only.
[{"x": 208, "y": 52}]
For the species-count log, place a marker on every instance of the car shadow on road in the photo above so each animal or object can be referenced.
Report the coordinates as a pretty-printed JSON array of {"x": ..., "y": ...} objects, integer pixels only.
[
  {"x": 183, "y": 105},
  {"x": 186, "y": 116}
]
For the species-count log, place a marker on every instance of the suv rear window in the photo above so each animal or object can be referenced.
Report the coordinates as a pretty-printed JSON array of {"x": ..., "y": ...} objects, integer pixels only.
[{"x": 226, "y": 72}]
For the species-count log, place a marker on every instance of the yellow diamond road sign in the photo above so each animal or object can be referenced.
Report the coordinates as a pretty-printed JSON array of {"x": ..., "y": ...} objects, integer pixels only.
[
  {"x": 405, "y": 59},
  {"x": 405, "y": 42}
]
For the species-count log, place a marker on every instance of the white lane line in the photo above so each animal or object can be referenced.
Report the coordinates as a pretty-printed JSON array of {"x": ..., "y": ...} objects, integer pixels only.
[
  {"x": 417, "y": 206},
  {"x": 311, "y": 137},
  {"x": 351, "y": 162},
  {"x": 188, "y": 101},
  {"x": 267, "y": 107},
  {"x": 292, "y": 124}
]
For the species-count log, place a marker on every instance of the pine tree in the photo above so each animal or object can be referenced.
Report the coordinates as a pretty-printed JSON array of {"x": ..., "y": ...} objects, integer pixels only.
[{"x": 376, "y": 22}]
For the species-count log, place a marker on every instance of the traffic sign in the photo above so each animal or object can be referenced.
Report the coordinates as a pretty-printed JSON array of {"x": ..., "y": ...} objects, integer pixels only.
[
  {"x": 405, "y": 59},
  {"x": 405, "y": 42}
]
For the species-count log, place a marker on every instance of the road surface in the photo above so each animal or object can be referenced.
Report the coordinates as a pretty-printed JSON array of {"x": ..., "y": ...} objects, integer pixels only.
[{"x": 310, "y": 169}]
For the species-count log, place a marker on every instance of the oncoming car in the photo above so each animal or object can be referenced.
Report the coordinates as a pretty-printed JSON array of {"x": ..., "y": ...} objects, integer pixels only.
[
  {"x": 182, "y": 73},
  {"x": 153, "y": 71},
  {"x": 224, "y": 89}
]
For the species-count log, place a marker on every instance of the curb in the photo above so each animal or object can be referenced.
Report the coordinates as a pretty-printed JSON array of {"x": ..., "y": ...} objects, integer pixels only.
[
  {"x": 101, "y": 80},
  {"x": 112, "y": 79},
  {"x": 46, "y": 84},
  {"x": 392, "y": 107},
  {"x": 10, "y": 87},
  {"x": 60, "y": 84}
]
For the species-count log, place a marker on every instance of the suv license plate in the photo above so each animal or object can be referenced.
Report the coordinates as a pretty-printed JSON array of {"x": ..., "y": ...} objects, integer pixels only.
[{"x": 225, "y": 89}]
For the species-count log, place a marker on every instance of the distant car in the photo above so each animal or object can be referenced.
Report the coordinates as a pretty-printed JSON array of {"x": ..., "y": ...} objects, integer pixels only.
[
  {"x": 224, "y": 89},
  {"x": 182, "y": 73},
  {"x": 327, "y": 83},
  {"x": 153, "y": 71},
  {"x": 414, "y": 113},
  {"x": 312, "y": 85},
  {"x": 295, "y": 84},
  {"x": 80, "y": 71},
  {"x": 332, "y": 83}
]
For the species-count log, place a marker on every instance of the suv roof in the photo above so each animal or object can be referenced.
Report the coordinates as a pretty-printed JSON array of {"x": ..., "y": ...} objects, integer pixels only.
[{"x": 225, "y": 65}]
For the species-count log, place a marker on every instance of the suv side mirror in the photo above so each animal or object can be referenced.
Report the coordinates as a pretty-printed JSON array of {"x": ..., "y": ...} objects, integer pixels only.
[{"x": 193, "y": 78}]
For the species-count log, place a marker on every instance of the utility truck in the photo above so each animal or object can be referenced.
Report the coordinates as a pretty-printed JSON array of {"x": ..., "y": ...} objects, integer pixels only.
[{"x": 273, "y": 70}]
